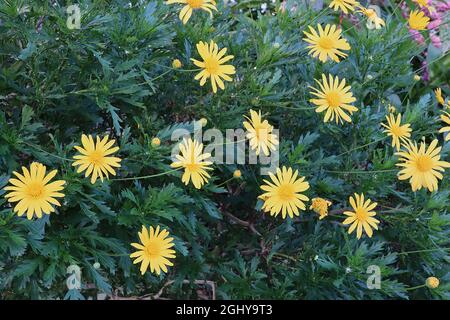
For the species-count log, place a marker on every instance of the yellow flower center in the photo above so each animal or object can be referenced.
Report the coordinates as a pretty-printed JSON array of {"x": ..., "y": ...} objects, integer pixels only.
[
  {"x": 414, "y": 23},
  {"x": 286, "y": 192},
  {"x": 333, "y": 99},
  {"x": 35, "y": 190},
  {"x": 261, "y": 132},
  {"x": 424, "y": 163},
  {"x": 153, "y": 249},
  {"x": 96, "y": 157},
  {"x": 212, "y": 65},
  {"x": 396, "y": 131},
  {"x": 193, "y": 167},
  {"x": 195, "y": 4},
  {"x": 361, "y": 214},
  {"x": 326, "y": 43}
]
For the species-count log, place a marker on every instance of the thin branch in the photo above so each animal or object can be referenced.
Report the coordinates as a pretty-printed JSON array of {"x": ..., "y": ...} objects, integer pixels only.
[
  {"x": 212, "y": 284},
  {"x": 157, "y": 296},
  {"x": 246, "y": 224}
]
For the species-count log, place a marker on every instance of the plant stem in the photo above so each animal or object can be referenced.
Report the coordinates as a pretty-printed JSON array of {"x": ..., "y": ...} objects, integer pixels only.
[
  {"x": 425, "y": 250},
  {"x": 226, "y": 181},
  {"x": 360, "y": 147},
  {"x": 360, "y": 172},
  {"x": 416, "y": 287},
  {"x": 146, "y": 177},
  {"x": 46, "y": 152}
]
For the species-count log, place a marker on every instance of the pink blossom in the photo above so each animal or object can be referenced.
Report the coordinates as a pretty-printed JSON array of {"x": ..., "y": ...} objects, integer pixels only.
[
  {"x": 405, "y": 10},
  {"x": 441, "y": 6},
  {"x": 434, "y": 24},
  {"x": 435, "y": 15},
  {"x": 417, "y": 36},
  {"x": 436, "y": 41}
]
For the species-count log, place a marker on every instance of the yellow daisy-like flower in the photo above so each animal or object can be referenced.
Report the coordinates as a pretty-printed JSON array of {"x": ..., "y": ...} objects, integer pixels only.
[
  {"x": 345, "y": 5},
  {"x": 260, "y": 134},
  {"x": 320, "y": 206},
  {"x": 362, "y": 217},
  {"x": 425, "y": 4},
  {"x": 34, "y": 192},
  {"x": 417, "y": 20},
  {"x": 372, "y": 18},
  {"x": 422, "y": 165},
  {"x": 334, "y": 97},
  {"x": 192, "y": 159},
  {"x": 190, "y": 5},
  {"x": 283, "y": 193},
  {"x": 327, "y": 43},
  {"x": 438, "y": 95},
  {"x": 446, "y": 118},
  {"x": 95, "y": 158},
  {"x": 396, "y": 130},
  {"x": 213, "y": 65},
  {"x": 154, "y": 250}
]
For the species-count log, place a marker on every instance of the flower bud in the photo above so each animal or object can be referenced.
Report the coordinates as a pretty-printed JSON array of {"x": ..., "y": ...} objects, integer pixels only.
[
  {"x": 432, "y": 282},
  {"x": 391, "y": 108},
  {"x": 203, "y": 122},
  {"x": 176, "y": 64},
  {"x": 156, "y": 142}
]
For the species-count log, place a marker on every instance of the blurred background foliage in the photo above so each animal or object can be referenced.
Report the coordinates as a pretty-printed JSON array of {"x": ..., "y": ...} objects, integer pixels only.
[{"x": 113, "y": 77}]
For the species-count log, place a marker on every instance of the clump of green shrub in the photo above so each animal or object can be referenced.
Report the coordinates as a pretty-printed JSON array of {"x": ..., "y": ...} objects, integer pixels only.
[{"x": 115, "y": 77}]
